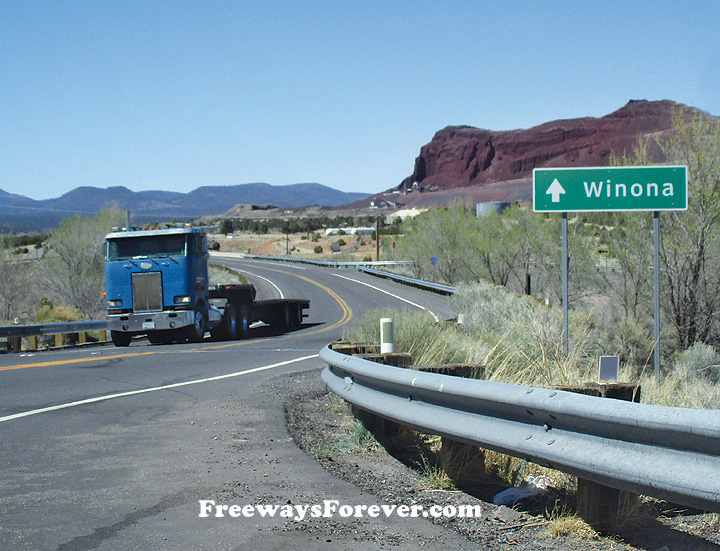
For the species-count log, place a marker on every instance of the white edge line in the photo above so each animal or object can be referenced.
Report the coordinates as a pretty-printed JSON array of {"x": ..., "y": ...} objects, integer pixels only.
[
  {"x": 390, "y": 294},
  {"x": 153, "y": 389},
  {"x": 263, "y": 278}
]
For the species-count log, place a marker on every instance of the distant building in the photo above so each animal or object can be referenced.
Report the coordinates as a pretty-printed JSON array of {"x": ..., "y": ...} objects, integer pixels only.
[{"x": 349, "y": 231}]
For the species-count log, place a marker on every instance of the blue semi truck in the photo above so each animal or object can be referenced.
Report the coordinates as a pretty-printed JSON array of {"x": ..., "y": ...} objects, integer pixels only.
[{"x": 157, "y": 284}]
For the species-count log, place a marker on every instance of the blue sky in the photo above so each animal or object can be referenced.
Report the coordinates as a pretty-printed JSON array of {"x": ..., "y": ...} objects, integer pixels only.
[{"x": 178, "y": 94}]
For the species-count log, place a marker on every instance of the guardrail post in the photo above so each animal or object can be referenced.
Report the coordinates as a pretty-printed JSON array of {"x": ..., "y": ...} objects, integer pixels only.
[
  {"x": 82, "y": 337},
  {"x": 461, "y": 462},
  {"x": 14, "y": 344},
  {"x": 600, "y": 506},
  {"x": 32, "y": 342},
  {"x": 59, "y": 339}
]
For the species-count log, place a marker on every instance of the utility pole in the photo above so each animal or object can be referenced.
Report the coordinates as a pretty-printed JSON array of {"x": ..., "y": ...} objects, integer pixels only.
[{"x": 377, "y": 238}]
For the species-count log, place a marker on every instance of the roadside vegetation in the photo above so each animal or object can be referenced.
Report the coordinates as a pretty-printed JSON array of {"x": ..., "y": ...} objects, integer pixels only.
[
  {"x": 611, "y": 280},
  {"x": 56, "y": 277}
]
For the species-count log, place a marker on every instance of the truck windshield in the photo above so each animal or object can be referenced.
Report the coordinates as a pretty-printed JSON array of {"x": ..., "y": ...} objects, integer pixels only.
[{"x": 146, "y": 247}]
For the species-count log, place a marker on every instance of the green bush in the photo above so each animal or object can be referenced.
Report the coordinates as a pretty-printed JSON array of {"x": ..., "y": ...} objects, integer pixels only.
[
  {"x": 48, "y": 313},
  {"x": 630, "y": 341},
  {"x": 318, "y": 249},
  {"x": 699, "y": 361}
]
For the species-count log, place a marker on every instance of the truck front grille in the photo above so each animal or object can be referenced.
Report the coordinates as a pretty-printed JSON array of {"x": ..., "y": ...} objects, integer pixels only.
[{"x": 147, "y": 292}]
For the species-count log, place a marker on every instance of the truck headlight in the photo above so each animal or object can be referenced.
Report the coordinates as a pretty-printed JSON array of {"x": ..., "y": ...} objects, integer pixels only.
[
  {"x": 182, "y": 299},
  {"x": 114, "y": 303}
]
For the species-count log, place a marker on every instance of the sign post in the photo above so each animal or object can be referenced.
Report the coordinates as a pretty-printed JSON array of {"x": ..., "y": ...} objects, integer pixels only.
[{"x": 612, "y": 189}]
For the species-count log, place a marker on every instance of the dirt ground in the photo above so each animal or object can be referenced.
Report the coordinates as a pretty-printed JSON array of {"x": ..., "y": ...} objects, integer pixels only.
[
  {"x": 320, "y": 423},
  {"x": 356, "y": 248}
]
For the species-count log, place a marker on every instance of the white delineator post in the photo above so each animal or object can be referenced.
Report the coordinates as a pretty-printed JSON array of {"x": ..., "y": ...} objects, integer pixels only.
[{"x": 387, "y": 336}]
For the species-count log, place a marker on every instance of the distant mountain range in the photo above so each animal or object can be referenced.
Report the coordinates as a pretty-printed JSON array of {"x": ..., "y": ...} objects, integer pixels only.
[{"x": 22, "y": 214}]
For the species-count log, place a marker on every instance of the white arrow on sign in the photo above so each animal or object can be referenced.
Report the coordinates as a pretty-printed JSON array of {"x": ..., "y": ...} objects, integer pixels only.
[{"x": 555, "y": 190}]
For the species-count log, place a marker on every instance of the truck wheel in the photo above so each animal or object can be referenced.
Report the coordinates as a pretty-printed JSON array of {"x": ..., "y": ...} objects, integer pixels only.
[
  {"x": 282, "y": 321},
  {"x": 196, "y": 331},
  {"x": 120, "y": 338},
  {"x": 228, "y": 328},
  {"x": 297, "y": 315},
  {"x": 243, "y": 326}
]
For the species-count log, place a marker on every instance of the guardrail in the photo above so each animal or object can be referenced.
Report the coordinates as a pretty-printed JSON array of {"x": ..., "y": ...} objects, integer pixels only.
[
  {"x": 420, "y": 283},
  {"x": 360, "y": 266},
  {"x": 324, "y": 263},
  {"x": 38, "y": 329},
  {"x": 60, "y": 328},
  {"x": 668, "y": 453}
]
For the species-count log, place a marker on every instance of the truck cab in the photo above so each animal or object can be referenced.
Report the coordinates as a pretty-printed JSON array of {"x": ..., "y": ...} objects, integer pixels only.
[{"x": 157, "y": 283}]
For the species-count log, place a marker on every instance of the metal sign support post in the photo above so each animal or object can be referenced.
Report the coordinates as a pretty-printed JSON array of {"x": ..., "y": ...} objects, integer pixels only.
[
  {"x": 611, "y": 189},
  {"x": 565, "y": 269},
  {"x": 656, "y": 292}
]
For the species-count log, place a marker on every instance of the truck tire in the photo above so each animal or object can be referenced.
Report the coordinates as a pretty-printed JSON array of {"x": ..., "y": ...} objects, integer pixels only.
[
  {"x": 196, "y": 331},
  {"x": 120, "y": 338},
  {"x": 283, "y": 319},
  {"x": 296, "y": 318},
  {"x": 243, "y": 325},
  {"x": 228, "y": 328}
]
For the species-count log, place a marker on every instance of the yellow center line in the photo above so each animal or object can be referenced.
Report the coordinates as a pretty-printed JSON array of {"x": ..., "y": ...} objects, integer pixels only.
[{"x": 80, "y": 360}]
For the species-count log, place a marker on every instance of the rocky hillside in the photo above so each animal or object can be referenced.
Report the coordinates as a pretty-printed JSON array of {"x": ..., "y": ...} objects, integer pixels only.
[{"x": 463, "y": 156}]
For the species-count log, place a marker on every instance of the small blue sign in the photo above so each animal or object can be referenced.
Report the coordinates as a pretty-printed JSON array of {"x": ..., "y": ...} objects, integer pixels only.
[{"x": 434, "y": 260}]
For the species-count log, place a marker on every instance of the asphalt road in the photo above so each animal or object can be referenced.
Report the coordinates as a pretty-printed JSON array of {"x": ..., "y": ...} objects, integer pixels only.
[{"x": 114, "y": 448}]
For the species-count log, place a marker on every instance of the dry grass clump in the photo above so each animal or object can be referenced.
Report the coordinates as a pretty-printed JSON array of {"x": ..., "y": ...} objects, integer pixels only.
[
  {"x": 691, "y": 382},
  {"x": 523, "y": 337},
  {"x": 568, "y": 524},
  {"x": 418, "y": 334}
]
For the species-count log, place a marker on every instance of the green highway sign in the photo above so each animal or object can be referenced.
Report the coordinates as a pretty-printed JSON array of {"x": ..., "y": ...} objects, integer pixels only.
[{"x": 603, "y": 189}]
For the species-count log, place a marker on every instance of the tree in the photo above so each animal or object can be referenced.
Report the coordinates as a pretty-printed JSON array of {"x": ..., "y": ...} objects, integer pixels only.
[
  {"x": 628, "y": 239},
  {"x": 690, "y": 254},
  {"x": 226, "y": 226},
  {"x": 74, "y": 271},
  {"x": 434, "y": 233}
]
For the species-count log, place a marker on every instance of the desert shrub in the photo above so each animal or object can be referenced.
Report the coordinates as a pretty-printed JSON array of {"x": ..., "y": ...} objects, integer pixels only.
[
  {"x": 318, "y": 249},
  {"x": 630, "y": 341},
  {"x": 48, "y": 313},
  {"x": 698, "y": 361},
  {"x": 690, "y": 382},
  {"x": 523, "y": 335}
]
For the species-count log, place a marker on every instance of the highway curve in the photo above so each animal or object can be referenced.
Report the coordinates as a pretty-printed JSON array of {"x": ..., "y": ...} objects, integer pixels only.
[{"x": 108, "y": 448}]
